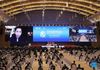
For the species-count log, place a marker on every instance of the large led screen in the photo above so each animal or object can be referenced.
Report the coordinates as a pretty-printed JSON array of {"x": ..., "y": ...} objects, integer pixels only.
[
  {"x": 18, "y": 35},
  {"x": 51, "y": 33},
  {"x": 83, "y": 34},
  {"x": 22, "y": 35}
]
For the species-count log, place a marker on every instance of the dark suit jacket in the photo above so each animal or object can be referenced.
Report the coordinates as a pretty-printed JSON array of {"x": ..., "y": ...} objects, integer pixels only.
[{"x": 21, "y": 42}]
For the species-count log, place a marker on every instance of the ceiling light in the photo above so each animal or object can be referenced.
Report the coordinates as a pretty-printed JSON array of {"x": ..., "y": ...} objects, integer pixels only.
[
  {"x": 61, "y": 12},
  {"x": 66, "y": 4},
  {"x": 1, "y": 0}
]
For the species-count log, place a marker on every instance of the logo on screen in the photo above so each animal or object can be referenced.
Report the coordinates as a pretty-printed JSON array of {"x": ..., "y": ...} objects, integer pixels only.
[{"x": 42, "y": 34}]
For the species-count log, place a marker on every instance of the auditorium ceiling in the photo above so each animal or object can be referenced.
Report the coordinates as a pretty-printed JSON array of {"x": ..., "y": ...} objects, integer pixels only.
[{"x": 86, "y": 8}]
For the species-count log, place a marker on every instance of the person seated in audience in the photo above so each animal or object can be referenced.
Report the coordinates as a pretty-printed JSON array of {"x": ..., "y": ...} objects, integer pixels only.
[
  {"x": 35, "y": 53},
  {"x": 93, "y": 63},
  {"x": 48, "y": 59},
  {"x": 3, "y": 63},
  {"x": 73, "y": 66},
  {"x": 50, "y": 63},
  {"x": 61, "y": 55},
  {"x": 18, "y": 65},
  {"x": 40, "y": 67},
  {"x": 48, "y": 44},
  {"x": 80, "y": 57},
  {"x": 87, "y": 58},
  {"x": 65, "y": 67},
  {"x": 71, "y": 52},
  {"x": 40, "y": 61},
  {"x": 52, "y": 67},
  {"x": 53, "y": 56},
  {"x": 76, "y": 52},
  {"x": 98, "y": 59},
  {"x": 57, "y": 59},
  {"x": 41, "y": 52},
  {"x": 28, "y": 66},
  {"x": 13, "y": 68},
  {"x": 79, "y": 67}
]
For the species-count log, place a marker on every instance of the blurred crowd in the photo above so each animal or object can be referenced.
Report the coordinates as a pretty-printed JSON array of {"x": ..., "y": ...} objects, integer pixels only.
[{"x": 23, "y": 59}]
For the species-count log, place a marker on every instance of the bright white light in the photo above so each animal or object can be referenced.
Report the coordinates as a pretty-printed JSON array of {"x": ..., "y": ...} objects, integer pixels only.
[
  {"x": 1, "y": 0},
  {"x": 82, "y": 31},
  {"x": 9, "y": 27}
]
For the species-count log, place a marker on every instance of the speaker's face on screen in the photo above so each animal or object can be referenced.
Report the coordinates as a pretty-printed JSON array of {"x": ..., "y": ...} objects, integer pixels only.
[{"x": 18, "y": 32}]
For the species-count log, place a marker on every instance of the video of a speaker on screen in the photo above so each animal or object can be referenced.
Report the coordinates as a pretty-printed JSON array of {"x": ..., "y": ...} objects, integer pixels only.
[{"x": 17, "y": 38}]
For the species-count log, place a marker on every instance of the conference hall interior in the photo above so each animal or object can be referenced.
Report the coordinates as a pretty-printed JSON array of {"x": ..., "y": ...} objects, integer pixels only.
[{"x": 49, "y": 34}]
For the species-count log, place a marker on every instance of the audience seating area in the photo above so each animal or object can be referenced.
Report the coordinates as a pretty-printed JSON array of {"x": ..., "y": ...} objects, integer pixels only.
[{"x": 48, "y": 59}]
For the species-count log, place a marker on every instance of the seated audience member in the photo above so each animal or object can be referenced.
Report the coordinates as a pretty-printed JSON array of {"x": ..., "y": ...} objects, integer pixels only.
[
  {"x": 40, "y": 67},
  {"x": 50, "y": 64},
  {"x": 52, "y": 67},
  {"x": 61, "y": 55},
  {"x": 28, "y": 67},
  {"x": 81, "y": 55},
  {"x": 64, "y": 67},
  {"x": 18, "y": 66},
  {"x": 79, "y": 67},
  {"x": 98, "y": 59},
  {"x": 93, "y": 63},
  {"x": 35, "y": 53},
  {"x": 87, "y": 58},
  {"x": 40, "y": 61},
  {"x": 13, "y": 68},
  {"x": 73, "y": 66}
]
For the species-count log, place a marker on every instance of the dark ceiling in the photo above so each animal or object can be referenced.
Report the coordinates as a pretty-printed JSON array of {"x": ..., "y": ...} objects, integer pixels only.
[
  {"x": 53, "y": 17},
  {"x": 31, "y": 12}
]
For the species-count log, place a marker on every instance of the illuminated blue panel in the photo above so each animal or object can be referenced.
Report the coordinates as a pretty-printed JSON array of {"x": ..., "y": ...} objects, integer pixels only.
[{"x": 50, "y": 34}]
